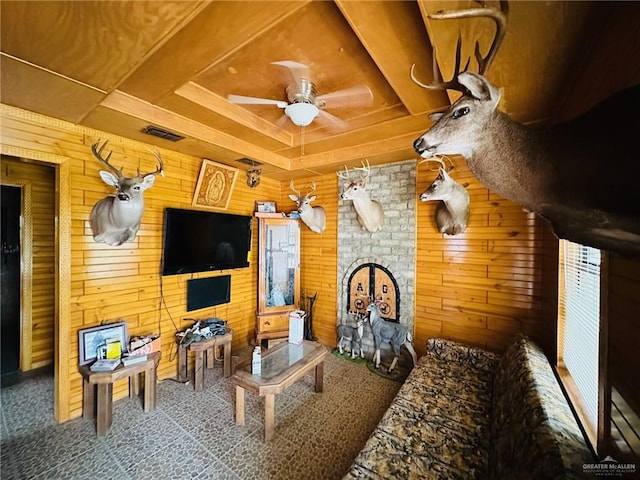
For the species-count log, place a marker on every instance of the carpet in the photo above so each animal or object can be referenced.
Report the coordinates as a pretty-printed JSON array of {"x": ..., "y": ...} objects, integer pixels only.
[{"x": 398, "y": 375}]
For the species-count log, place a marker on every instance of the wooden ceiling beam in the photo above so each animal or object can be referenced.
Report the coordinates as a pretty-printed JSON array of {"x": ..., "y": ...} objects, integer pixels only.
[
  {"x": 95, "y": 43},
  {"x": 209, "y": 100},
  {"x": 219, "y": 30},
  {"x": 340, "y": 156},
  {"x": 137, "y": 108},
  {"x": 395, "y": 36},
  {"x": 380, "y": 132}
]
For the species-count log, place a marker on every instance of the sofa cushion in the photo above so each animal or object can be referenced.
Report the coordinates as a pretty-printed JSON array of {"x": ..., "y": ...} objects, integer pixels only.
[
  {"x": 438, "y": 425},
  {"x": 533, "y": 431},
  {"x": 458, "y": 353}
]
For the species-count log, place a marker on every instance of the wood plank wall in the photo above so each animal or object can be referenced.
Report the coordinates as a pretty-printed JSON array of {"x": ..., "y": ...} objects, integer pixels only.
[
  {"x": 481, "y": 287},
  {"x": 110, "y": 283},
  {"x": 40, "y": 179},
  {"x": 319, "y": 254},
  {"x": 484, "y": 286}
]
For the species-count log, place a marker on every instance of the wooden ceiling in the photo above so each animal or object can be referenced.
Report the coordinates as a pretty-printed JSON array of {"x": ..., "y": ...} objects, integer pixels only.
[{"x": 121, "y": 66}]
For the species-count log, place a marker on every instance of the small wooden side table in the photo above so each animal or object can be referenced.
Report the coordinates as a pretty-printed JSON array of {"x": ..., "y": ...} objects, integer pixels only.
[
  {"x": 102, "y": 409},
  {"x": 207, "y": 345}
]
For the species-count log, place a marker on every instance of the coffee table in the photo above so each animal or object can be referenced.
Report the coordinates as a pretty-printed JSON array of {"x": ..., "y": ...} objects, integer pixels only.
[{"x": 282, "y": 366}]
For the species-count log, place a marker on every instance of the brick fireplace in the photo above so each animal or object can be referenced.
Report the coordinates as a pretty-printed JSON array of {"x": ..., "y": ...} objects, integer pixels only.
[{"x": 381, "y": 264}]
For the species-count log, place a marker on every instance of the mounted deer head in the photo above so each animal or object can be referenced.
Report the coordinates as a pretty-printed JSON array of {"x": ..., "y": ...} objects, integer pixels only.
[
  {"x": 452, "y": 213},
  {"x": 253, "y": 177},
  {"x": 560, "y": 172},
  {"x": 116, "y": 219},
  {"x": 313, "y": 217},
  {"x": 370, "y": 213}
]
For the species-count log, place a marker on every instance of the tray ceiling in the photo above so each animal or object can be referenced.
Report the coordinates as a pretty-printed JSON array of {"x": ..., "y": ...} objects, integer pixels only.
[{"x": 121, "y": 66}]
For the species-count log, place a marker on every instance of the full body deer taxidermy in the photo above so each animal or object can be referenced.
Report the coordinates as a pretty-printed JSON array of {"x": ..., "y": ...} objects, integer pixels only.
[
  {"x": 582, "y": 175},
  {"x": 452, "y": 213},
  {"x": 370, "y": 213},
  {"x": 394, "y": 333},
  {"x": 116, "y": 219},
  {"x": 352, "y": 335},
  {"x": 313, "y": 217}
]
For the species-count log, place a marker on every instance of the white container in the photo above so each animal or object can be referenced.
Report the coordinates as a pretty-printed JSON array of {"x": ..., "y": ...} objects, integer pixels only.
[
  {"x": 296, "y": 326},
  {"x": 256, "y": 361}
]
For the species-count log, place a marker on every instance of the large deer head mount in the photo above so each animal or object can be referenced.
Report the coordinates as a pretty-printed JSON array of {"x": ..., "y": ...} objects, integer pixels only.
[
  {"x": 370, "y": 212},
  {"x": 452, "y": 213},
  {"x": 313, "y": 217},
  {"x": 558, "y": 172},
  {"x": 116, "y": 218}
]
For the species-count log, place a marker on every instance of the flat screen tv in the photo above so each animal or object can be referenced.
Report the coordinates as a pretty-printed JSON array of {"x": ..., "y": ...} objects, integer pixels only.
[
  {"x": 199, "y": 241},
  {"x": 208, "y": 292}
]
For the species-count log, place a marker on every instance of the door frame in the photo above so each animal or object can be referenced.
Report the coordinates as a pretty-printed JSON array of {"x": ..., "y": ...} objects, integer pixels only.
[{"x": 62, "y": 165}]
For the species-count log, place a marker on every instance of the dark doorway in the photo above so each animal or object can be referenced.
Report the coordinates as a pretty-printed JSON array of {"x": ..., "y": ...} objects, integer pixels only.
[{"x": 10, "y": 204}]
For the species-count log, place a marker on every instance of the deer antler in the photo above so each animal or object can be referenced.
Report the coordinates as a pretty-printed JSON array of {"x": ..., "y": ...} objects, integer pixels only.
[
  {"x": 433, "y": 159},
  {"x": 441, "y": 161},
  {"x": 500, "y": 19},
  {"x": 439, "y": 83},
  {"x": 293, "y": 188},
  {"x": 159, "y": 170},
  {"x": 366, "y": 169},
  {"x": 97, "y": 149},
  {"x": 344, "y": 175}
]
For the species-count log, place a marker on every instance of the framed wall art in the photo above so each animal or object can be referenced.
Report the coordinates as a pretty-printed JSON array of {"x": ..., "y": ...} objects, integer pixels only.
[
  {"x": 92, "y": 341},
  {"x": 215, "y": 184},
  {"x": 266, "y": 207}
]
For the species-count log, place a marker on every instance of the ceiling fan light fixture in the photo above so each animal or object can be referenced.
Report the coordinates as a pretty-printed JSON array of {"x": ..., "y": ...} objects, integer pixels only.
[{"x": 302, "y": 114}]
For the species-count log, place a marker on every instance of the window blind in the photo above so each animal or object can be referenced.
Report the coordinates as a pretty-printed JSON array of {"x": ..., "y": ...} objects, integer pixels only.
[{"x": 580, "y": 319}]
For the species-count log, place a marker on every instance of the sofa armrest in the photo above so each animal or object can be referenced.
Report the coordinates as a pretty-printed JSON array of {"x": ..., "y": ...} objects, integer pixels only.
[{"x": 533, "y": 431}]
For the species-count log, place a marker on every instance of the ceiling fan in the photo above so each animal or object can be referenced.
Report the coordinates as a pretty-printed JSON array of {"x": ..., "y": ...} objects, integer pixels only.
[{"x": 303, "y": 104}]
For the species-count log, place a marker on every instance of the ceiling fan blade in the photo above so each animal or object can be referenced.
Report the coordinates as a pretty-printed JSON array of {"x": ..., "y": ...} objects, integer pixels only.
[
  {"x": 241, "y": 99},
  {"x": 282, "y": 121},
  {"x": 298, "y": 70},
  {"x": 358, "y": 96},
  {"x": 332, "y": 121}
]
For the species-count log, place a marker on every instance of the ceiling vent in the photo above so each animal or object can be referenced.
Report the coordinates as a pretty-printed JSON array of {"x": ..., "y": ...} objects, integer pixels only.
[
  {"x": 161, "y": 133},
  {"x": 248, "y": 161}
]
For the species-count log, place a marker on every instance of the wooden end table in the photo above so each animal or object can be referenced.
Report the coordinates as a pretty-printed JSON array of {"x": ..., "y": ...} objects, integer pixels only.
[
  {"x": 206, "y": 345},
  {"x": 282, "y": 366},
  {"x": 102, "y": 408}
]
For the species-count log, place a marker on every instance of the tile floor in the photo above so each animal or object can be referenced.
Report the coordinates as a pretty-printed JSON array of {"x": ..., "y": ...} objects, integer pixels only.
[{"x": 193, "y": 434}]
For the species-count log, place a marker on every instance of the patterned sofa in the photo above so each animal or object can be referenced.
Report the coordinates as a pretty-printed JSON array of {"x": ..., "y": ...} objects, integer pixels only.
[{"x": 465, "y": 413}]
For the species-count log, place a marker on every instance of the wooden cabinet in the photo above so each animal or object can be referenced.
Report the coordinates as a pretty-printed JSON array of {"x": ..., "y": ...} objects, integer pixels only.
[{"x": 278, "y": 275}]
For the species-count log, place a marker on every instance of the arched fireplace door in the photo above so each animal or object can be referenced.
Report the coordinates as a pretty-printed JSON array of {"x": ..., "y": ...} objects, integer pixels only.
[{"x": 371, "y": 280}]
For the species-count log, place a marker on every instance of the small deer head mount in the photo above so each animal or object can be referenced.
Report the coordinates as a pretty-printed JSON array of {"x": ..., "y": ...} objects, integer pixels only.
[
  {"x": 370, "y": 213},
  {"x": 452, "y": 214},
  {"x": 116, "y": 219},
  {"x": 253, "y": 177},
  {"x": 313, "y": 217}
]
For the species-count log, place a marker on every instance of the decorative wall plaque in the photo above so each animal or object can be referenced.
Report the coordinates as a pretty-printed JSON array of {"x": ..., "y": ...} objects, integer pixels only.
[{"x": 215, "y": 185}]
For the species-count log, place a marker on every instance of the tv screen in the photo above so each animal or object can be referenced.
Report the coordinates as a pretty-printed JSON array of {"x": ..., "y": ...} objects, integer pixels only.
[
  {"x": 208, "y": 292},
  {"x": 198, "y": 241}
]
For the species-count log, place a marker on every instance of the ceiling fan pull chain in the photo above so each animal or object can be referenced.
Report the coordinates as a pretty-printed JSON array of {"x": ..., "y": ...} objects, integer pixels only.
[{"x": 301, "y": 143}]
